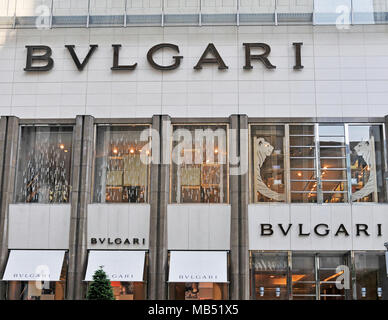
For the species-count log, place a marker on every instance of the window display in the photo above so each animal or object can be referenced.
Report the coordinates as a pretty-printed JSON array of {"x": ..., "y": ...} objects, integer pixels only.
[
  {"x": 268, "y": 163},
  {"x": 44, "y": 164},
  {"x": 366, "y": 147},
  {"x": 121, "y": 164},
  {"x": 128, "y": 290},
  {"x": 317, "y": 163},
  {"x": 199, "y": 164},
  {"x": 198, "y": 291}
]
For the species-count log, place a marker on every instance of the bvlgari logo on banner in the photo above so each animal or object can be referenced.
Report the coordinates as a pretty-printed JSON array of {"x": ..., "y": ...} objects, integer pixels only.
[
  {"x": 321, "y": 230},
  {"x": 118, "y": 241},
  {"x": 198, "y": 277},
  {"x": 39, "y": 57},
  {"x": 120, "y": 277}
]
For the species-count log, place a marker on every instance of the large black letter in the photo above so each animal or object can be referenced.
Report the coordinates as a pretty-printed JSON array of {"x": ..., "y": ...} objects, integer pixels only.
[
  {"x": 363, "y": 229},
  {"x": 44, "y": 57},
  {"x": 262, "y": 57},
  {"x": 301, "y": 231},
  {"x": 285, "y": 232},
  {"x": 342, "y": 229},
  {"x": 217, "y": 58},
  {"x": 266, "y": 229},
  {"x": 161, "y": 46},
  {"x": 298, "y": 55},
  {"x": 116, "y": 58},
  {"x": 80, "y": 65},
  {"x": 322, "y": 234}
]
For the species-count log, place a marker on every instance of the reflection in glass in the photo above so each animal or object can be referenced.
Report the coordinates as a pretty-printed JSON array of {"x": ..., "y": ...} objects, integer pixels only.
[
  {"x": 268, "y": 163},
  {"x": 371, "y": 278},
  {"x": 303, "y": 277},
  {"x": 270, "y": 275},
  {"x": 199, "y": 164},
  {"x": 44, "y": 163},
  {"x": 332, "y": 11},
  {"x": 121, "y": 164},
  {"x": 366, "y": 163}
]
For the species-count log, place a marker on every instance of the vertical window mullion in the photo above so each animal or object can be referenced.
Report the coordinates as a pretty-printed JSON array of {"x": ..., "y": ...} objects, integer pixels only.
[
  {"x": 318, "y": 165},
  {"x": 287, "y": 164},
  {"x": 348, "y": 163}
]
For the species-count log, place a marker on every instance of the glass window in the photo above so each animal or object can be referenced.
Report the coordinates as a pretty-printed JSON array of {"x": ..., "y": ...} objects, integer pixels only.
[
  {"x": 328, "y": 276},
  {"x": 199, "y": 171},
  {"x": 302, "y": 163},
  {"x": 39, "y": 290},
  {"x": 332, "y": 11},
  {"x": 268, "y": 163},
  {"x": 122, "y": 164},
  {"x": 7, "y": 9},
  {"x": 198, "y": 291},
  {"x": 270, "y": 275},
  {"x": 366, "y": 147},
  {"x": 44, "y": 164},
  {"x": 294, "y": 11},
  {"x": 332, "y": 155},
  {"x": 371, "y": 277},
  {"x": 303, "y": 277},
  {"x": 253, "y": 12},
  {"x": 370, "y": 11},
  {"x": 70, "y": 13}
]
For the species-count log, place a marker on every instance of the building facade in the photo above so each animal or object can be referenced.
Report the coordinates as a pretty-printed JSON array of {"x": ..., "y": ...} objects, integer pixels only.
[{"x": 194, "y": 149}]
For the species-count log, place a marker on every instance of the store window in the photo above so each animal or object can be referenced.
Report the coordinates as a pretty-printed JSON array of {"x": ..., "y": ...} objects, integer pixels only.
[
  {"x": 332, "y": 164},
  {"x": 199, "y": 170},
  {"x": 317, "y": 163},
  {"x": 303, "y": 176},
  {"x": 39, "y": 290},
  {"x": 269, "y": 275},
  {"x": 122, "y": 164},
  {"x": 300, "y": 276},
  {"x": 366, "y": 147},
  {"x": 198, "y": 291},
  {"x": 268, "y": 162},
  {"x": 371, "y": 277},
  {"x": 44, "y": 164}
]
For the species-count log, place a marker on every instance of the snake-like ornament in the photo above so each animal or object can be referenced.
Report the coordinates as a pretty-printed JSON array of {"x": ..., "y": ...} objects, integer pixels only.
[
  {"x": 264, "y": 150},
  {"x": 364, "y": 149}
]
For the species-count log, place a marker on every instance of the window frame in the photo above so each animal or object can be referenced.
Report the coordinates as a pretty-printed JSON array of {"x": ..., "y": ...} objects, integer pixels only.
[
  {"x": 126, "y": 124},
  {"x": 203, "y": 124},
  {"x": 317, "y": 158}
]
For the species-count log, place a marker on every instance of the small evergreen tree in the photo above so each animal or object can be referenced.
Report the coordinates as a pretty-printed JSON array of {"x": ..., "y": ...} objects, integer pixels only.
[{"x": 100, "y": 288}]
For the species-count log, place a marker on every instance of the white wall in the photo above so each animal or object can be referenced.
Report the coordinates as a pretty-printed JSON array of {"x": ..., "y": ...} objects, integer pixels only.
[
  {"x": 310, "y": 216},
  {"x": 118, "y": 221},
  {"x": 198, "y": 227},
  {"x": 345, "y": 74},
  {"x": 38, "y": 226}
]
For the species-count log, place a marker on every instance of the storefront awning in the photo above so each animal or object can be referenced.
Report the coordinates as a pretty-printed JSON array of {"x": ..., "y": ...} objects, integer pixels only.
[
  {"x": 125, "y": 266},
  {"x": 34, "y": 265},
  {"x": 198, "y": 266}
]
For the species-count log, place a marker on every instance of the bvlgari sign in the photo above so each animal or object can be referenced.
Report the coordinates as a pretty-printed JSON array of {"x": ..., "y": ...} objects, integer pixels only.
[{"x": 39, "y": 57}]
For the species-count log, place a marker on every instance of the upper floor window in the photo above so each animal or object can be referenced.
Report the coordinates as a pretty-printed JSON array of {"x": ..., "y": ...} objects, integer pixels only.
[
  {"x": 44, "y": 164},
  {"x": 122, "y": 164},
  {"x": 325, "y": 163},
  {"x": 199, "y": 170},
  {"x": 268, "y": 149}
]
